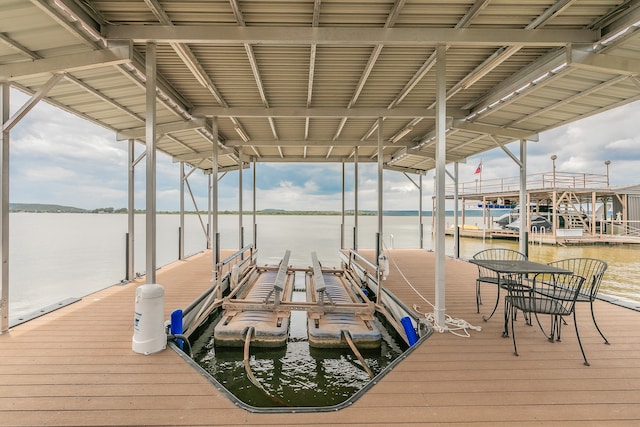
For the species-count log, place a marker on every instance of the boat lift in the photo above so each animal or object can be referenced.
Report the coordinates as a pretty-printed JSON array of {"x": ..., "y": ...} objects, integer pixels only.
[{"x": 338, "y": 306}]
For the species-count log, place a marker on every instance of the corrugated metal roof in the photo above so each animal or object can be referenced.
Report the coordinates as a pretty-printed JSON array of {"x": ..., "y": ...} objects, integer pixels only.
[{"x": 295, "y": 80}]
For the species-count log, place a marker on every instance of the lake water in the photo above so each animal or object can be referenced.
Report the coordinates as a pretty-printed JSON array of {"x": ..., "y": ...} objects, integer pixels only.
[{"x": 57, "y": 256}]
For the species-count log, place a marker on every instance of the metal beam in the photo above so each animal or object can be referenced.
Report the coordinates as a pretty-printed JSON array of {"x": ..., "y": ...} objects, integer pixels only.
[
  {"x": 216, "y": 34},
  {"x": 32, "y": 102},
  {"x": 201, "y": 155},
  {"x": 604, "y": 63},
  {"x": 103, "y": 97},
  {"x": 161, "y": 129},
  {"x": 67, "y": 63},
  {"x": 337, "y": 113},
  {"x": 495, "y": 130},
  {"x": 545, "y": 64},
  {"x": 315, "y": 159},
  {"x": 314, "y": 143},
  {"x": 17, "y": 46}
]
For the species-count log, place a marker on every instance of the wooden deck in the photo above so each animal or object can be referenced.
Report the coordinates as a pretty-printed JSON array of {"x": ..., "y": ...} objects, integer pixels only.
[{"x": 75, "y": 366}]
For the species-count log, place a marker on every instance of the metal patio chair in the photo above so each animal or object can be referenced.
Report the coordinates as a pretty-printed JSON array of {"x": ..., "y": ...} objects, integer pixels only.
[
  {"x": 491, "y": 277},
  {"x": 553, "y": 295},
  {"x": 593, "y": 271}
]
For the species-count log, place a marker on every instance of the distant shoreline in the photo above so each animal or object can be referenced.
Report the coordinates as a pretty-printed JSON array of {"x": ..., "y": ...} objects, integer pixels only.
[{"x": 44, "y": 208}]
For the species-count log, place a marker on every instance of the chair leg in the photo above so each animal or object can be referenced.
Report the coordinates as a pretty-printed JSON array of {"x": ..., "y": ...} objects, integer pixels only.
[
  {"x": 507, "y": 314},
  {"x": 478, "y": 297},
  {"x": 495, "y": 307},
  {"x": 584, "y": 356},
  {"x": 593, "y": 316},
  {"x": 558, "y": 320},
  {"x": 513, "y": 332},
  {"x": 550, "y": 335}
]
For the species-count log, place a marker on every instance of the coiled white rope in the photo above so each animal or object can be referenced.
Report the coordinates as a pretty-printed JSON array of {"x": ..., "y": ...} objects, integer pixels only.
[{"x": 453, "y": 325}]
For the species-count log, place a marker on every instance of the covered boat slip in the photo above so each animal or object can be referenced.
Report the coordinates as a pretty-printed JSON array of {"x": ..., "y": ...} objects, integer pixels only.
[
  {"x": 259, "y": 308},
  {"x": 75, "y": 366},
  {"x": 413, "y": 86}
]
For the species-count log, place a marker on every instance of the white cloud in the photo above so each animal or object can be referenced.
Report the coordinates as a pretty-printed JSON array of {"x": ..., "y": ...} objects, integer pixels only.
[
  {"x": 59, "y": 158},
  {"x": 624, "y": 144},
  {"x": 48, "y": 174}
]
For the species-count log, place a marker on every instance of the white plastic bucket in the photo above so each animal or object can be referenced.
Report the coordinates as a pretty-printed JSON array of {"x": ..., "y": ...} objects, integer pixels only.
[{"x": 148, "y": 325}]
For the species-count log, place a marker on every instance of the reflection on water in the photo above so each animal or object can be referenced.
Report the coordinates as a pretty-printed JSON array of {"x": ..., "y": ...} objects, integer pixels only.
[{"x": 296, "y": 376}]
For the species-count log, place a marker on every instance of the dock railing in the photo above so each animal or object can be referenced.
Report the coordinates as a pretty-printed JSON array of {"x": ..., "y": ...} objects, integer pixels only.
[
  {"x": 541, "y": 181},
  {"x": 390, "y": 305},
  {"x": 228, "y": 270}
]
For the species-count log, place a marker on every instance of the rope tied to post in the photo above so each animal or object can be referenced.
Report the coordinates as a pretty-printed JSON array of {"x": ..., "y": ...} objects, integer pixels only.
[{"x": 452, "y": 325}]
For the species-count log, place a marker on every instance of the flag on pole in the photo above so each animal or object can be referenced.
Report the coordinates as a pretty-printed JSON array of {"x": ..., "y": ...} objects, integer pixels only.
[{"x": 479, "y": 168}]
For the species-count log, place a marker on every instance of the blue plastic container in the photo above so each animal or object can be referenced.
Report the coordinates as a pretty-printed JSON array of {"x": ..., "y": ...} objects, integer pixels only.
[
  {"x": 176, "y": 325},
  {"x": 408, "y": 329}
]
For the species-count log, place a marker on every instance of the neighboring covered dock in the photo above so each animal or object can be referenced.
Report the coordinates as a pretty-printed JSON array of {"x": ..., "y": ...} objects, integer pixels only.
[
  {"x": 75, "y": 366},
  {"x": 577, "y": 208}
]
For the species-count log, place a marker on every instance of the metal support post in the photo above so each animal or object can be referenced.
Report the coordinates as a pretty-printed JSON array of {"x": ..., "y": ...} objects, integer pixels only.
[
  {"x": 441, "y": 112},
  {"x": 355, "y": 208},
  {"x": 4, "y": 207},
  {"x": 131, "y": 211},
  {"x": 150, "y": 136},
  {"x": 214, "y": 204},
  {"x": 181, "y": 234},
  {"x": 380, "y": 187},
  {"x": 524, "y": 203}
]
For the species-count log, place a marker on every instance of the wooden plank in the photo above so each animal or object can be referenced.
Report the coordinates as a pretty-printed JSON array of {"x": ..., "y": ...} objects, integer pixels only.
[{"x": 75, "y": 366}]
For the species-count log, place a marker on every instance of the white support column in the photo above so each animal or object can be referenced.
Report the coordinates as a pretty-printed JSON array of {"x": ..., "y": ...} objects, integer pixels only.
[
  {"x": 150, "y": 136},
  {"x": 131, "y": 211},
  {"x": 524, "y": 203},
  {"x": 593, "y": 212},
  {"x": 214, "y": 203},
  {"x": 240, "y": 208},
  {"x": 441, "y": 97},
  {"x": 380, "y": 184},
  {"x": 456, "y": 228},
  {"x": 355, "y": 195},
  {"x": 209, "y": 210},
  {"x": 4, "y": 207},
  {"x": 181, "y": 237},
  {"x": 255, "y": 190},
  {"x": 420, "y": 220},
  {"x": 342, "y": 211}
]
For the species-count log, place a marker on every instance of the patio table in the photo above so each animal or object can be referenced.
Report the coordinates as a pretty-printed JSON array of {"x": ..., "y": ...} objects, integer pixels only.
[{"x": 519, "y": 269}]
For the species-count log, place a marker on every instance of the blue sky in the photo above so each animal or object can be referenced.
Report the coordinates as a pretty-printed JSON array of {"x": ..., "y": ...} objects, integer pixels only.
[{"x": 58, "y": 158}]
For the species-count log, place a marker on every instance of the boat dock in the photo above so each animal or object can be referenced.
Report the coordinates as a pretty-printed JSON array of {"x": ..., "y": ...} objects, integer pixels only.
[
  {"x": 75, "y": 366},
  {"x": 563, "y": 209}
]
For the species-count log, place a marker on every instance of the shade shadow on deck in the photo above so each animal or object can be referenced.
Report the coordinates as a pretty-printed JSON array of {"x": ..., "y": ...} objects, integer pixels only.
[{"x": 75, "y": 366}]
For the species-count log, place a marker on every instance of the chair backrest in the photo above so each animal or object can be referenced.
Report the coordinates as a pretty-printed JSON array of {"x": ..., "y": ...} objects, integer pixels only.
[
  {"x": 503, "y": 254},
  {"x": 564, "y": 289},
  {"x": 590, "y": 268},
  {"x": 500, "y": 254}
]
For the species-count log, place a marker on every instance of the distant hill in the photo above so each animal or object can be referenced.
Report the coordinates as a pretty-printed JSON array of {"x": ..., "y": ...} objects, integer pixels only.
[
  {"x": 45, "y": 208},
  {"x": 40, "y": 207}
]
